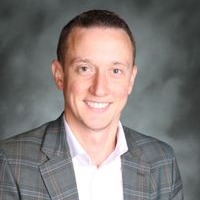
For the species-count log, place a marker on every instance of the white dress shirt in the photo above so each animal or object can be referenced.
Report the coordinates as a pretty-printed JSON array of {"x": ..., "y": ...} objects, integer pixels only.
[{"x": 104, "y": 182}]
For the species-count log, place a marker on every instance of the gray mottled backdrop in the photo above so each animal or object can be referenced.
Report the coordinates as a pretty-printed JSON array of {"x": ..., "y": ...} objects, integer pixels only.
[{"x": 165, "y": 102}]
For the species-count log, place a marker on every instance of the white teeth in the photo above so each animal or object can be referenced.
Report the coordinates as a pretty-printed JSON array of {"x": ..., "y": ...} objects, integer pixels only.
[{"x": 97, "y": 105}]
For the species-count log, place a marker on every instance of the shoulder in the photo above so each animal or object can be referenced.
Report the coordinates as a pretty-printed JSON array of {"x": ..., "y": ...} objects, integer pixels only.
[
  {"x": 152, "y": 149},
  {"x": 27, "y": 143},
  {"x": 32, "y": 136},
  {"x": 151, "y": 156}
]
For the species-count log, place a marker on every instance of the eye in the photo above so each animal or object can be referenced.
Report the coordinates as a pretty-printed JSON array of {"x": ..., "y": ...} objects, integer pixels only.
[
  {"x": 117, "y": 71},
  {"x": 84, "y": 70}
]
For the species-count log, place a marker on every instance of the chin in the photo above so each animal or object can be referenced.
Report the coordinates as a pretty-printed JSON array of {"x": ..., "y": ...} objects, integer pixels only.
[{"x": 98, "y": 126}]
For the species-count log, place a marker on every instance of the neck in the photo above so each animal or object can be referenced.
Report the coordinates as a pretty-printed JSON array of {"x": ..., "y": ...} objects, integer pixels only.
[{"x": 98, "y": 144}]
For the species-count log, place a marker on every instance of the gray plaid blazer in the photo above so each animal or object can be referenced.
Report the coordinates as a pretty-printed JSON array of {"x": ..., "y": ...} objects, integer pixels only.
[{"x": 37, "y": 165}]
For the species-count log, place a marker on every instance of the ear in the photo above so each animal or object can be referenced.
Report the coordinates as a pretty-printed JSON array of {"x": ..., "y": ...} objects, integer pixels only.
[
  {"x": 58, "y": 74},
  {"x": 132, "y": 80}
]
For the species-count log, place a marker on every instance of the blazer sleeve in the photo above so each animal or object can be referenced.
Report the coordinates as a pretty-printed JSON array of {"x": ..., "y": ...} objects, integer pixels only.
[
  {"x": 8, "y": 186},
  {"x": 177, "y": 188}
]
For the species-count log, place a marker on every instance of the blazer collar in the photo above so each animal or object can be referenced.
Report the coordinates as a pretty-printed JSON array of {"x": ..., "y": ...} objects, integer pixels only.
[{"x": 55, "y": 142}]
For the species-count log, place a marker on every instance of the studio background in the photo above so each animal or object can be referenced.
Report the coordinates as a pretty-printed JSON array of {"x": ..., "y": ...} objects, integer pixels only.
[{"x": 165, "y": 101}]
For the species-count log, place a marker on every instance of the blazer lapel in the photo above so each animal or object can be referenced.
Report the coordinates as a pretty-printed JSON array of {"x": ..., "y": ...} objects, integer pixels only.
[
  {"x": 135, "y": 171},
  {"x": 58, "y": 173},
  {"x": 58, "y": 176}
]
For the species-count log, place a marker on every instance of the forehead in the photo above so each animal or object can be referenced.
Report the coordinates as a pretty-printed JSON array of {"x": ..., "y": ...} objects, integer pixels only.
[{"x": 96, "y": 37}]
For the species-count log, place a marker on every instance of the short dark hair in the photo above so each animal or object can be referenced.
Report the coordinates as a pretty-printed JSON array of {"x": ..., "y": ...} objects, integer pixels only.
[{"x": 92, "y": 18}]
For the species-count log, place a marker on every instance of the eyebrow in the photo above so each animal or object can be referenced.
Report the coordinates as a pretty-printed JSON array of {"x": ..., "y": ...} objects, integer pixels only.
[
  {"x": 120, "y": 63},
  {"x": 86, "y": 60}
]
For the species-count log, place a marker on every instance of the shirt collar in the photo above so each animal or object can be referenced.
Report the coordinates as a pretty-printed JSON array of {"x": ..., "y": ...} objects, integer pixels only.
[{"x": 77, "y": 150}]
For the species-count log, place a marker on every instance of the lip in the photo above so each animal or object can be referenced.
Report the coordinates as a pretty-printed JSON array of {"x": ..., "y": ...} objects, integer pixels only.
[{"x": 97, "y": 105}]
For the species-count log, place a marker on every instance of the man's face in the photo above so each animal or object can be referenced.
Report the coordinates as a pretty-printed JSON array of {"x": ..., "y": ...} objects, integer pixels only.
[{"x": 97, "y": 77}]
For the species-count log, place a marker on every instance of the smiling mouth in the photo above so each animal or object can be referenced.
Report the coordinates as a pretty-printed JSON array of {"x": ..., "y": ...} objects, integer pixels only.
[{"x": 97, "y": 105}]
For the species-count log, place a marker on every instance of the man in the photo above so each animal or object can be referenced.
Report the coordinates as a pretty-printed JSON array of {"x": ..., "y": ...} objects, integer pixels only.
[{"x": 86, "y": 153}]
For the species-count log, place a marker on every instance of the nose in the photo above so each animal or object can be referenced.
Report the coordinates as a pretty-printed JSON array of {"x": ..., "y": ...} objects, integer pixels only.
[{"x": 99, "y": 86}]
